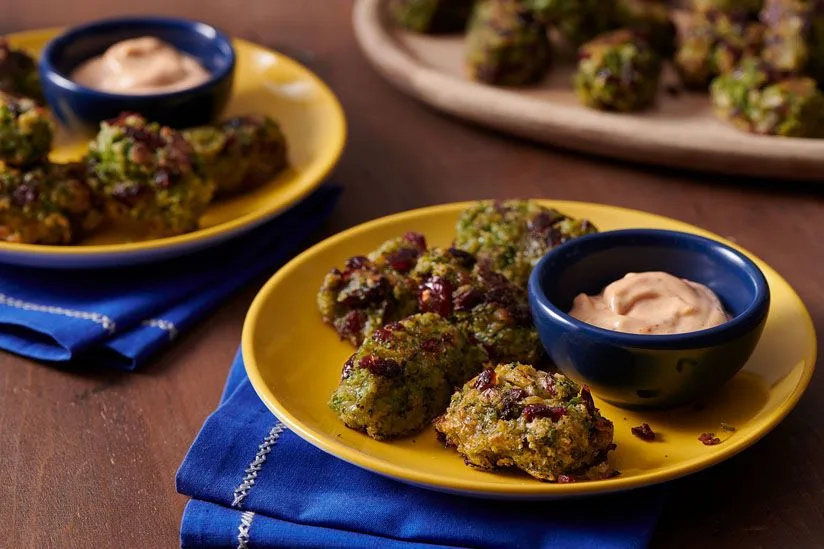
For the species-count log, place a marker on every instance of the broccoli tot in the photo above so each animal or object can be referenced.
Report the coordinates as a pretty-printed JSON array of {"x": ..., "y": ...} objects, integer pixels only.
[
  {"x": 794, "y": 38},
  {"x": 512, "y": 235},
  {"x": 18, "y": 73},
  {"x": 403, "y": 375},
  {"x": 26, "y": 131},
  {"x": 239, "y": 154},
  {"x": 372, "y": 291},
  {"x": 617, "y": 71},
  {"x": 714, "y": 43},
  {"x": 753, "y": 99},
  {"x": 147, "y": 176},
  {"x": 505, "y": 45},
  {"x": 514, "y": 416},
  {"x": 47, "y": 204}
]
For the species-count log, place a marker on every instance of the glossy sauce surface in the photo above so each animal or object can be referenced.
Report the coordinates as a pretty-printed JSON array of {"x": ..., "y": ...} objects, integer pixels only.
[
  {"x": 651, "y": 303},
  {"x": 141, "y": 66}
]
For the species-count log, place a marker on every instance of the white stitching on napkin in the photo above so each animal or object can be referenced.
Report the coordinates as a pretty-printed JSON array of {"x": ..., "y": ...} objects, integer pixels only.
[
  {"x": 254, "y": 468},
  {"x": 243, "y": 529},
  {"x": 104, "y": 321},
  {"x": 166, "y": 325}
]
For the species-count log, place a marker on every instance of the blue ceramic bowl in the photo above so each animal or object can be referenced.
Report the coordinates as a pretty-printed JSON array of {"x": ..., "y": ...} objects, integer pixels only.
[
  {"x": 81, "y": 108},
  {"x": 639, "y": 371}
]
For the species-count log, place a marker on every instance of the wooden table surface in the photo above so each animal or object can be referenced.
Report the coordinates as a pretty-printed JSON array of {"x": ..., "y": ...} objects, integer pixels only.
[{"x": 88, "y": 457}]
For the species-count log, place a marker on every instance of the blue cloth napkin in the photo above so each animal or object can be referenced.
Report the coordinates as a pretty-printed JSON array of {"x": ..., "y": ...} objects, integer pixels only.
[
  {"x": 120, "y": 316},
  {"x": 255, "y": 484}
]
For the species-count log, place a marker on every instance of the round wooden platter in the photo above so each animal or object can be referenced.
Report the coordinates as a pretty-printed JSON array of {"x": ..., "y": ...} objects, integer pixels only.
[{"x": 680, "y": 131}]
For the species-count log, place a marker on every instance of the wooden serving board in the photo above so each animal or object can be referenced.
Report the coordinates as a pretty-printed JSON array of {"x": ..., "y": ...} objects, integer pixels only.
[{"x": 680, "y": 131}]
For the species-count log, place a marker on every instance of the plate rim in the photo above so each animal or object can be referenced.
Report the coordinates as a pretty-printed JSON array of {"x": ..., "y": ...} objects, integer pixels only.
[
  {"x": 543, "y": 491},
  {"x": 585, "y": 130},
  {"x": 201, "y": 237}
]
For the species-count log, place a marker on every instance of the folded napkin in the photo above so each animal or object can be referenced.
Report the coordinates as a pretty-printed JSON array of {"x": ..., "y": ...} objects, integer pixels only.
[
  {"x": 120, "y": 316},
  {"x": 256, "y": 484}
]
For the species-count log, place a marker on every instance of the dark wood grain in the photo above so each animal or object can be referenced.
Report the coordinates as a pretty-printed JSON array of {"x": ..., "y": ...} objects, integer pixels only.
[{"x": 87, "y": 457}]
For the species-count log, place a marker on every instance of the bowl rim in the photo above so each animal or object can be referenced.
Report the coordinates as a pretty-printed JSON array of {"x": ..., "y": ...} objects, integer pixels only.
[
  {"x": 48, "y": 70},
  {"x": 753, "y": 315}
]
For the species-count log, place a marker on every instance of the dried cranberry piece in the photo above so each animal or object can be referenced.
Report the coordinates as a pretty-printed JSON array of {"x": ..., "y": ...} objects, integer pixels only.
[
  {"x": 555, "y": 237},
  {"x": 709, "y": 439},
  {"x": 357, "y": 262},
  {"x": 543, "y": 221},
  {"x": 382, "y": 335},
  {"x": 348, "y": 366},
  {"x": 441, "y": 437},
  {"x": 121, "y": 118},
  {"x": 586, "y": 396},
  {"x": 385, "y": 367},
  {"x": 389, "y": 308},
  {"x": 352, "y": 324},
  {"x": 533, "y": 411},
  {"x": 403, "y": 260},
  {"x": 417, "y": 239},
  {"x": 180, "y": 148},
  {"x": 374, "y": 292},
  {"x": 492, "y": 279},
  {"x": 229, "y": 142},
  {"x": 501, "y": 296},
  {"x": 436, "y": 297},
  {"x": 24, "y": 195},
  {"x": 466, "y": 259},
  {"x": 644, "y": 432},
  {"x": 486, "y": 380},
  {"x": 602, "y": 424},
  {"x": 467, "y": 297},
  {"x": 565, "y": 479},
  {"x": 141, "y": 135},
  {"x": 394, "y": 327},
  {"x": 430, "y": 345}
]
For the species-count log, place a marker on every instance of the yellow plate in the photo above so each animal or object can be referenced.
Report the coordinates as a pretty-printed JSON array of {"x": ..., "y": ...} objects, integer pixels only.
[
  {"x": 266, "y": 82},
  {"x": 294, "y": 363}
]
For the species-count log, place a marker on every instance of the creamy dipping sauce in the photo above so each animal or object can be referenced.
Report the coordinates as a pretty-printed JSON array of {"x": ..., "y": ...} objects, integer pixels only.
[
  {"x": 654, "y": 303},
  {"x": 141, "y": 66}
]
